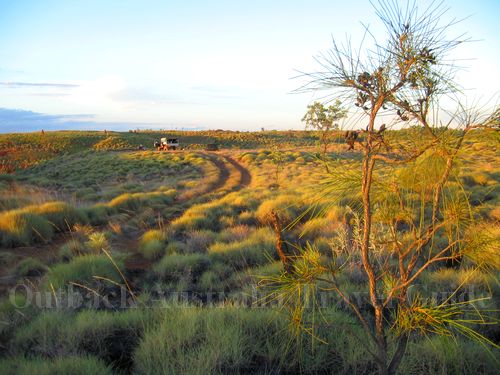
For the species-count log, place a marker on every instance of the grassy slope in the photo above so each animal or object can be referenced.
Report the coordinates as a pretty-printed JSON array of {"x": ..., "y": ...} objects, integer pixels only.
[
  {"x": 203, "y": 243},
  {"x": 22, "y": 150}
]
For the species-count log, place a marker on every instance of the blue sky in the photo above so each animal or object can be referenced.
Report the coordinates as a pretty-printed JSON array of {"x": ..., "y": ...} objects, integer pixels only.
[{"x": 189, "y": 64}]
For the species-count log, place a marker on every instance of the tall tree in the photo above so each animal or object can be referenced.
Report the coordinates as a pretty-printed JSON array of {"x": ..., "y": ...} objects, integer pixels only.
[{"x": 405, "y": 195}]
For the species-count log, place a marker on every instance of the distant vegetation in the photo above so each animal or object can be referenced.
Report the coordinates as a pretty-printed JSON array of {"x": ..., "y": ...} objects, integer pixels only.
[{"x": 18, "y": 151}]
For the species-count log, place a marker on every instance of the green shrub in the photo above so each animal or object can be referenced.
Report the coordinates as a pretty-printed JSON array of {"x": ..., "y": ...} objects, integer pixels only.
[
  {"x": 98, "y": 214},
  {"x": 236, "y": 233},
  {"x": 255, "y": 250},
  {"x": 125, "y": 202},
  {"x": 58, "y": 366},
  {"x": 97, "y": 242},
  {"x": 31, "y": 267},
  {"x": 176, "y": 266},
  {"x": 192, "y": 220},
  {"x": 111, "y": 336},
  {"x": 286, "y": 205},
  {"x": 152, "y": 243},
  {"x": 37, "y": 223},
  {"x": 198, "y": 241},
  {"x": 61, "y": 215},
  {"x": 132, "y": 202},
  {"x": 19, "y": 228},
  {"x": 317, "y": 227},
  {"x": 209, "y": 341},
  {"x": 153, "y": 249},
  {"x": 245, "y": 281},
  {"x": 215, "y": 279},
  {"x": 447, "y": 355},
  {"x": 82, "y": 270},
  {"x": 247, "y": 218},
  {"x": 154, "y": 234},
  {"x": 239, "y": 340},
  {"x": 206, "y": 216},
  {"x": 449, "y": 279},
  {"x": 175, "y": 247},
  {"x": 15, "y": 311},
  {"x": 71, "y": 249}
]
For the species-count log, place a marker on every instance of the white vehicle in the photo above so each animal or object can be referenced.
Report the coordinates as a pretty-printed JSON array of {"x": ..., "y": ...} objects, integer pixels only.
[{"x": 167, "y": 144}]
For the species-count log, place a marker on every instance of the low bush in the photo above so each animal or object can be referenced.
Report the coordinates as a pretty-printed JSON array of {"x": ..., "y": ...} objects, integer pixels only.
[
  {"x": 111, "y": 336},
  {"x": 125, "y": 202},
  {"x": 99, "y": 213},
  {"x": 177, "y": 266},
  {"x": 285, "y": 205},
  {"x": 31, "y": 267},
  {"x": 245, "y": 281},
  {"x": 247, "y": 218},
  {"x": 87, "y": 270},
  {"x": 97, "y": 242},
  {"x": 132, "y": 202},
  {"x": 154, "y": 234},
  {"x": 152, "y": 244},
  {"x": 318, "y": 227},
  {"x": 198, "y": 241},
  {"x": 15, "y": 312},
  {"x": 61, "y": 215},
  {"x": 175, "y": 247},
  {"x": 236, "y": 233},
  {"x": 210, "y": 341},
  {"x": 59, "y": 366},
  {"x": 18, "y": 228},
  {"x": 447, "y": 355},
  {"x": 239, "y": 340},
  {"x": 193, "y": 221},
  {"x": 206, "y": 215},
  {"x": 152, "y": 250},
  {"x": 37, "y": 223},
  {"x": 447, "y": 280},
  {"x": 215, "y": 279},
  {"x": 70, "y": 249},
  {"x": 255, "y": 250}
]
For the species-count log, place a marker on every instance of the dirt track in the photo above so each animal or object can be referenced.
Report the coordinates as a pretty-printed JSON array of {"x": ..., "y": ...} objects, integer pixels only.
[{"x": 231, "y": 176}]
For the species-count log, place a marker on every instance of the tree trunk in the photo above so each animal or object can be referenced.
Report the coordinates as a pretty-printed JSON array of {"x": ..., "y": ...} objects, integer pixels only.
[
  {"x": 276, "y": 222},
  {"x": 398, "y": 355}
]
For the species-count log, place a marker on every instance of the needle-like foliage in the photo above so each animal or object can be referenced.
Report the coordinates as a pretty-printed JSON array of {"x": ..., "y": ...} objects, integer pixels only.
[{"x": 409, "y": 212}]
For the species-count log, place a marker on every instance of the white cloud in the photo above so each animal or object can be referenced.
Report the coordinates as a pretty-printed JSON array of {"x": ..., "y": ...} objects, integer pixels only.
[{"x": 98, "y": 94}]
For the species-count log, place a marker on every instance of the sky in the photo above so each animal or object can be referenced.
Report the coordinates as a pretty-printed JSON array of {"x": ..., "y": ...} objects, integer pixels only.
[{"x": 91, "y": 64}]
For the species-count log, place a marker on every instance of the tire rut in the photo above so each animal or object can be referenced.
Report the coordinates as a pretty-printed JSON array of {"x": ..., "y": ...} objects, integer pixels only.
[{"x": 223, "y": 184}]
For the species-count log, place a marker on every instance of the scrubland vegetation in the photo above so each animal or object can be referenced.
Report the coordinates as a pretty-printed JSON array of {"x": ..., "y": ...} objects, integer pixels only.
[
  {"x": 186, "y": 239},
  {"x": 285, "y": 252}
]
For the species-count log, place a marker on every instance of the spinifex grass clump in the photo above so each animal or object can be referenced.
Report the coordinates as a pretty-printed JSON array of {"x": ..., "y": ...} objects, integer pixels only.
[
  {"x": 61, "y": 215},
  {"x": 257, "y": 249},
  {"x": 31, "y": 267},
  {"x": 75, "y": 365},
  {"x": 95, "y": 272},
  {"x": 248, "y": 341},
  {"x": 174, "y": 267},
  {"x": 21, "y": 227},
  {"x": 36, "y": 224},
  {"x": 109, "y": 336},
  {"x": 152, "y": 243},
  {"x": 132, "y": 202}
]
